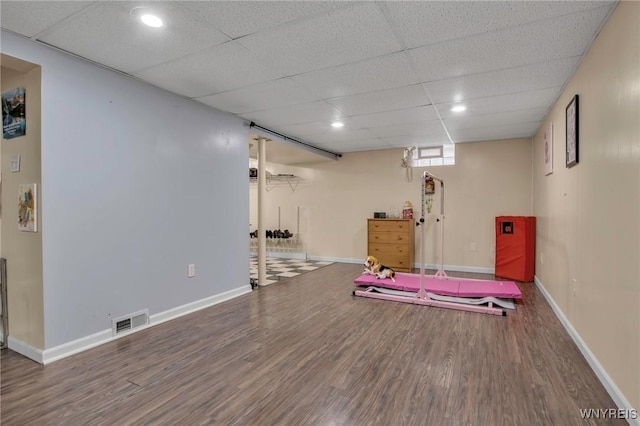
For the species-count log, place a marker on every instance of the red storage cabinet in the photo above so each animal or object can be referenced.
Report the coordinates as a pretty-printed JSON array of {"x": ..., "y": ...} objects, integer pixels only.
[{"x": 515, "y": 247}]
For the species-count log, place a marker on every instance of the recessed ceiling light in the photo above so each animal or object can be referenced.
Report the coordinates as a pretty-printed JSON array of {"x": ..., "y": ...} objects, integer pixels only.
[
  {"x": 147, "y": 17},
  {"x": 151, "y": 20},
  {"x": 337, "y": 124},
  {"x": 458, "y": 108}
]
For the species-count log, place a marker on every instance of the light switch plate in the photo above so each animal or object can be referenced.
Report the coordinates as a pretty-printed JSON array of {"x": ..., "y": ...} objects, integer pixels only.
[{"x": 15, "y": 163}]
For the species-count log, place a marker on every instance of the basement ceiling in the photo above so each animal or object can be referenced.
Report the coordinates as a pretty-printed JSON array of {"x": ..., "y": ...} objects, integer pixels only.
[{"x": 390, "y": 71}]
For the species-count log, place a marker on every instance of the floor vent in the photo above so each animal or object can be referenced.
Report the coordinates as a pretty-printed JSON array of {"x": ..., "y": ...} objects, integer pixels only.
[{"x": 129, "y": 322}]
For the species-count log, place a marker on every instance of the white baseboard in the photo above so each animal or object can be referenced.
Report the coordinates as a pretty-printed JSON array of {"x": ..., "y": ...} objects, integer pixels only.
[
  {"x": 337, "y": 259},
  {"x": 283, "y": 254},
  {"x": 458, "y": 268},
  {"x": 597, "y": 368},
  {"x": 84, "y": 343},
  {"x": 76, "y": 346},
  {"x": 24, "y": 349},
  {"x": 179, "y": 311}
]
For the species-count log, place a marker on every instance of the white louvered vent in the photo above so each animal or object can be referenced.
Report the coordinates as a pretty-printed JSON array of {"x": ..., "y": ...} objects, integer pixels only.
[{"x": 129, "y": 322}]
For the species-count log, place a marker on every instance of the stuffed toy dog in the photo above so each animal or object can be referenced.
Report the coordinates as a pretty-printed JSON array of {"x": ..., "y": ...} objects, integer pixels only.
[{"x": 373, "y": 267}]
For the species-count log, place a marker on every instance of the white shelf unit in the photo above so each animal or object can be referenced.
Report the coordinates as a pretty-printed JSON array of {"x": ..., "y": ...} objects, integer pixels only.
[{"x": 279, "y": 180}]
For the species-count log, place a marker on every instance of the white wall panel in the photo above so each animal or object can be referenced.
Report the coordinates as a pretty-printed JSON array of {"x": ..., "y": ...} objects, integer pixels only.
[{"x": 137, "y": 183}]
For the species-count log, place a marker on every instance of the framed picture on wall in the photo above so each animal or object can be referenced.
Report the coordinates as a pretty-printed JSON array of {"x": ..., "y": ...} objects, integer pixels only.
[
  {"x": 548, "y": 149},
  {"x": 572, "y": 132},
  {"x": 27, "y": 207},
  {"x": 14, "y": 122}
]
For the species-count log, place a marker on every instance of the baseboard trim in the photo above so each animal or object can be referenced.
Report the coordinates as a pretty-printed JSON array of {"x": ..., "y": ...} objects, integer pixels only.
[
  {"x": 76, "y": 346},
  {"x": 105, "y": 336},
  {"x": 337, "y": 259},
  {"x": 24, "y": 349},
  {"x": 283, "y": 254},
  {"x": 615, "y": 393},
  {"x": 458, "y": 268},
  {"x": 455, "y": 268},
  {"x": 189, "y": 308}
]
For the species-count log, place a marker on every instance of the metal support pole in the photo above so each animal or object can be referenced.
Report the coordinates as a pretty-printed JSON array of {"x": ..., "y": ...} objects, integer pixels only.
[{"x": 262, "y": 194}]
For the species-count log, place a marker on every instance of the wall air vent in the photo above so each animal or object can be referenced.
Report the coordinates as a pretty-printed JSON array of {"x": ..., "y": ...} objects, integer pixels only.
[{"x": 129, "y": 322}]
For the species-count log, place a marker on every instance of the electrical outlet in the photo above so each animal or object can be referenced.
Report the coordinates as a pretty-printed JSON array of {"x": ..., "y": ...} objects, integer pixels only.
[
  {"x": 574, "y": 285},
  {"x": 473, "y": 246},
  {"x": 191, "y": 270}
]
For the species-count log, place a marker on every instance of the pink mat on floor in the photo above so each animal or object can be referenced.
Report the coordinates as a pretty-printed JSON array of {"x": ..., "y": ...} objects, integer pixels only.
[{"x": 450, "y": 286}]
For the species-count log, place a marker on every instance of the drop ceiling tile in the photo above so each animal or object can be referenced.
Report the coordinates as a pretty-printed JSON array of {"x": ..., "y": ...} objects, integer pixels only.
[
  {"x": 399, "y": 116},
  {"x": 522, "y": 79},
  {"x": 340, "y": 135},
  {"x": 540, "y": 41},
  {"x": 384, "y": 100},
  {"x": 496, "y": 104},
  {"x": 421, "y": 23},
  {"x": 432, "y": 128},
  {"x": 240, "y": 18},
  {"x": 495, "y": 120},
  {"x": 338, "y": 37},
  {"x": 511, "y": 131},
  {"x": 268, "y": 95},
  {"x": 31, "y": 18},
  {"x": 295, "y": 114},
  {"x": 110, "y": 35},
  {"x": 346, "y": 53},
  {"x": 309, "y": 130},
  {"x": 421, "y": 141},
  {"x": 356, "y": 145},
  {"x": 224, "y": 67},
  {"x": 383, "y": 72}
]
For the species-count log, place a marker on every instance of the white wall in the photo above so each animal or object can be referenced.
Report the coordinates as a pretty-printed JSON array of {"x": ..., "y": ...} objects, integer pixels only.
[
  {"x": 23, "y": 250},
  {"x": 489, "y": 179},
  {"x": 589, "y": 215},
  {"x": 136, "y": 184}
]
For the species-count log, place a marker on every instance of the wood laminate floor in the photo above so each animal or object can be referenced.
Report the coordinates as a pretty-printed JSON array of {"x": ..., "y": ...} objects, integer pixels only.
[{"x": 306, "y": 352}]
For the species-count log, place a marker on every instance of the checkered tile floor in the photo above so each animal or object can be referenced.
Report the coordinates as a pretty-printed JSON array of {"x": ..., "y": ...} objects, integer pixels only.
[{"x": 279, "y": 269}]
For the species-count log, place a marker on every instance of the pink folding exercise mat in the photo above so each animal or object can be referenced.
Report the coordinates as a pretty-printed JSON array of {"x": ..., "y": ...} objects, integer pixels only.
[{"x": 446, "y": 286}]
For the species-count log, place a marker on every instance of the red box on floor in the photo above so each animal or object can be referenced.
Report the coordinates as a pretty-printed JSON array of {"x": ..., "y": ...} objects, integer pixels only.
[{"x": 515, "y": 247}]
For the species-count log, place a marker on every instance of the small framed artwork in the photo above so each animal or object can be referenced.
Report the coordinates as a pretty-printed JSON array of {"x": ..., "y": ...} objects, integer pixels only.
[
  {"x": 27, "y": 207},
  {"x": 572, "y": 132},
  {"x": 548, "y": 149},
  {"x": 14, "y": 122}
]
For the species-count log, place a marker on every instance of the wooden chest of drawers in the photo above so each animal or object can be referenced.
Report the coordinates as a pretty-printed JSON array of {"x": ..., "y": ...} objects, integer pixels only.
[{"x": 392, "y": 241}]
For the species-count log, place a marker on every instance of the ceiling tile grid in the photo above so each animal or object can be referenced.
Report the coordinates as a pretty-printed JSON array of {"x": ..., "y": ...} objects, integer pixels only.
[
  {"x": 295, "y": 66},
  {"x": 503, "y": 103},
  {"x": 296, "y": 114},
  {"x": 501, "y": 82},
  {"x": 379, "y": 73},
  {"x": 511, "y": 131},
  {"x": 494, "y": 120},
  {"x": 110, "y": 35},
  {"x": 384, "y": 100},
  {"x": 536, "y": 42},
  {"x": 262, "y": 96},
  {"x": 338, "y": 37},
  {"x": 221, "y": 68},
  {"x": 425, "y": 22},
  {"x": 396, "y": 117},
  {"x": 32, "y": 18},
  {"x": 240, "y": 18}
]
